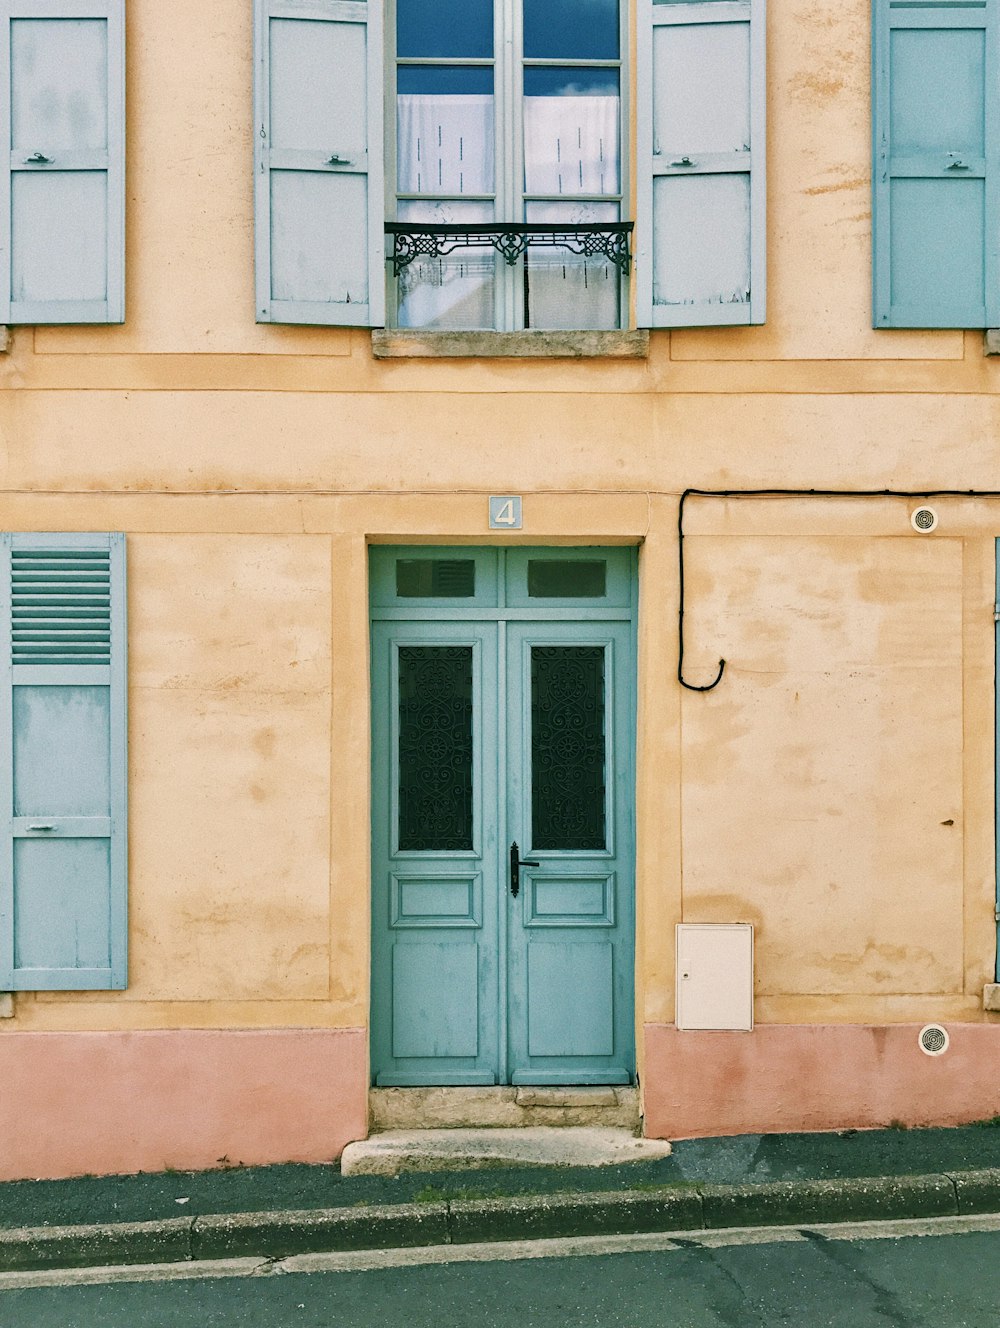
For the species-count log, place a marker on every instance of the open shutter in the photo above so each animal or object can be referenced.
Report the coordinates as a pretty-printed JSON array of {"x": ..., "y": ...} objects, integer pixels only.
[
  {"x": 935, "y": 160},
  {"x": 319, "y": 174},
  {"x": 62, "y": 216},
  {"x": 63, "y": 877},
  {"x": 701, "y": 243}
]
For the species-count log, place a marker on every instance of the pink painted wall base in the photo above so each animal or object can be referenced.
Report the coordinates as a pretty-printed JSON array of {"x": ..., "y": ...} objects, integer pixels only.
[
  {"x": 815, "y": 1077},
  {"x": 105, "y": 1103}
]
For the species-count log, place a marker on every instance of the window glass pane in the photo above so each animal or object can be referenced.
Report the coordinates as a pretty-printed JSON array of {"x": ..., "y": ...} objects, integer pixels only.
[
  {"x": 435, "y": 578},
  {"x": 571, "y": 29},
  {"x": 566, "y": 291},
  {"x": 444, "y": 130},
  {"x": 564, "y": 578},
  {"x": 456, "y": 291},
  {"x": 566, "y": 81},
  {"x": 571, "y": 130},
  {"x": 450, "y": 28},
  {"x": 567, "y": 747},
  {"x": 435, "y": 748},
  {"x": 454, "y": 79}
]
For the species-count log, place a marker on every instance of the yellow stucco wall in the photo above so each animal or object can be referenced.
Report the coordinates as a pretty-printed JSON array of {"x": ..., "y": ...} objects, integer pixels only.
[{"x": 836, "y": 789}]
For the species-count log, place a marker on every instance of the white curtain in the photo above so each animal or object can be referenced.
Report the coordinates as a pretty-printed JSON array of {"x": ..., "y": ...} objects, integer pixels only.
[
  {"x": 444, "y": 144},
  {"x": 571, "y": 145}
]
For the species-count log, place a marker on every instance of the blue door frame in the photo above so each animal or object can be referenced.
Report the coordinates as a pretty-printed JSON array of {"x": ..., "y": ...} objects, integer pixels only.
[{"x": 472, "y": 984}]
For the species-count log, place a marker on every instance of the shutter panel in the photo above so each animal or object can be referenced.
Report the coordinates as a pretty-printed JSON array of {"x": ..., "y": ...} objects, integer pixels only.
[
  {"x": 62, "y": 216},
  {"x": 701, "y": 242},
  {"x": 319, "y": 173},
  {"x": 936, "y": 218},
  {"x": 63, "y": 879}
]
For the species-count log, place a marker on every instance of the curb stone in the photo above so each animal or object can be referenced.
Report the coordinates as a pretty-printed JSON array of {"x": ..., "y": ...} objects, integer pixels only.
[
  {"x": 277, "y": 1235},
  {"x": 30, "y": 1248},
  {"x": 977, "y": 1191},
  {"x": 853, "y": 1199},
  {"x": 531, "y": 1217}
]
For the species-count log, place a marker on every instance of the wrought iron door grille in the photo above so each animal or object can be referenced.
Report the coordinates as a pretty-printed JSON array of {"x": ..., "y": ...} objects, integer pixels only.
[{"x": 510, "y": 240}]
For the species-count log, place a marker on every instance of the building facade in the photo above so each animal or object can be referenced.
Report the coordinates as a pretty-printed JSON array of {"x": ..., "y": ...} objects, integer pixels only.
[{"x": 376, "y": 386}]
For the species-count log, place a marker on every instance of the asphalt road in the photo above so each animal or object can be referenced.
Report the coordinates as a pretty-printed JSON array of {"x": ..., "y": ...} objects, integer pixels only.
[{"x": 927, "y": 1277}]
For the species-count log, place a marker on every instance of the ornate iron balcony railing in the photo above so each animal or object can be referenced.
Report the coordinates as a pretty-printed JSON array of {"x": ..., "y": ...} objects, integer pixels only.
[{"x": 510, "y": 240}]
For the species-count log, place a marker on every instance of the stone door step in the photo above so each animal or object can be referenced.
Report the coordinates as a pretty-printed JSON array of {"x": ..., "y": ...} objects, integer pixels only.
[
  {"x": 449, "y": 1108},
  {"x": 466, "y": 1150}
]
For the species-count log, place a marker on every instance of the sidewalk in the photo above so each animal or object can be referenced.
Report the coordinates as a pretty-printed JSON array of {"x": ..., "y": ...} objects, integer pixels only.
[{"x": 273, "y": 1212}]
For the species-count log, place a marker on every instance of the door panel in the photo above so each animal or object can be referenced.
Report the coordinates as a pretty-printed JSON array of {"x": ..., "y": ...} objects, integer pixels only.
[
  {"x": 435, "y": 957},
  {"x": 503, "y": 714},
  {"x": 570, "y": 1000},
  {"x": 569, "y": 777},
  {"x": 425, "y": 1027}
]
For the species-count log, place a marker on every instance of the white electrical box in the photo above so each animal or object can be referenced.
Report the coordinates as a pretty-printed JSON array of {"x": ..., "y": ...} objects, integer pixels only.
[{"x": 715, "y": 975}]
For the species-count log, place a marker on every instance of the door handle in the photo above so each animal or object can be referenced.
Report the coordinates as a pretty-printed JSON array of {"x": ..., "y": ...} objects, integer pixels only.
[
  {"x": 41, "y": 827},
  {"x": 516, "y": 864}
]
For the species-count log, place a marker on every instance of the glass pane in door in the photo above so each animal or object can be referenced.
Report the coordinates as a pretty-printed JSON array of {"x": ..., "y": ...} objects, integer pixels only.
[
  {"x": 568, "y": 748},
  {"x": 435, "y": 748}
]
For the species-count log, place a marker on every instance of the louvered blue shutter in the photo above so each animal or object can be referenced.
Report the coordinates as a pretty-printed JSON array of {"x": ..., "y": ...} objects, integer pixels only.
[
  {"x": 700, "y": 230},
  {"x": 318, "y": 162},
  {"x": 63, "y": 879},
  {"x": 62, "y": 216},
  {"x": 936, "y": 219}
]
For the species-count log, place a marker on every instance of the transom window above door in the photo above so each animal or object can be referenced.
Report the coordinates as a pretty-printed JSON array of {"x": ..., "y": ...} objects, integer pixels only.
[{"x": 508, "y": 164}]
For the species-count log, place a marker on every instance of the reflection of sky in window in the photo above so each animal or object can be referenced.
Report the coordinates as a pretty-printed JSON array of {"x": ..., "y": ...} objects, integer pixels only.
[
  {"x": 570, "y": 82},
  {"x": 453, "y": 80},
  {"x": 455, "y": 29},
  {"x": 571, "y": 29}
]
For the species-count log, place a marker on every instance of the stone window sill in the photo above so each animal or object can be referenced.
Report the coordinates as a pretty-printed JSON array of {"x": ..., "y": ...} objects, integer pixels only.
[{"x": 397, "y": 344}]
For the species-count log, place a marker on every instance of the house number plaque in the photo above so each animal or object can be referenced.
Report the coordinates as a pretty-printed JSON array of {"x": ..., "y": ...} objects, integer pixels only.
[{"x": 505, "y": 512}]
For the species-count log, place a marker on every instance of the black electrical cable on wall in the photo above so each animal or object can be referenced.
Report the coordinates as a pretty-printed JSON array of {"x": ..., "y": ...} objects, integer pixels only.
[{"x": 785, "y": 493}]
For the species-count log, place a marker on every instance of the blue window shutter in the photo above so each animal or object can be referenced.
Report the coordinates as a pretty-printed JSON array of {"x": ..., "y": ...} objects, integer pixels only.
[
  {"x": 935, "y": 212},
  {"x": 318, "y": 162},
  {"x": 63, "y": 878},
  {"x": 62, "y": 215},
  {"x": 700, "y": 230}
]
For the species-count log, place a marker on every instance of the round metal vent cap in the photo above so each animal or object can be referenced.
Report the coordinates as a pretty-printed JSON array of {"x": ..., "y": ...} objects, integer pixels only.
[
  {"x": 933, "y": 1040},
  {"x": 924, "y": 520}
]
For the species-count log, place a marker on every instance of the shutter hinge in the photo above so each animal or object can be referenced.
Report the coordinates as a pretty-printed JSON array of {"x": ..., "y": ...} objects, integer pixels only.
[{"x": 996, "y": 613}]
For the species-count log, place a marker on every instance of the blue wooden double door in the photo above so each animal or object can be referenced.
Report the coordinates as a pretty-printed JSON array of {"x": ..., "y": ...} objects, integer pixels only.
[{"x": 503, "y": 701}]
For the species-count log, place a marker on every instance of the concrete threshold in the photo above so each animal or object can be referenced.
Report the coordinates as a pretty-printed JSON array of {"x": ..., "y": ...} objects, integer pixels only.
[
  {"x": 499, "y": 1107},
  {"x": 397, "y": 1151}
]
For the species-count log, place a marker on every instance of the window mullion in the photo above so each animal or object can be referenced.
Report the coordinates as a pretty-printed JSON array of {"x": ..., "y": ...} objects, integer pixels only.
[
  {"x": 535, "y": 62},
  {"x": 457, "y": 61}
]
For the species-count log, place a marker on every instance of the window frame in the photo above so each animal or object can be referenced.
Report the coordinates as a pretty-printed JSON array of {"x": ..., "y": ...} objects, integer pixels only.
[{"x": 510, "y": 198}]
